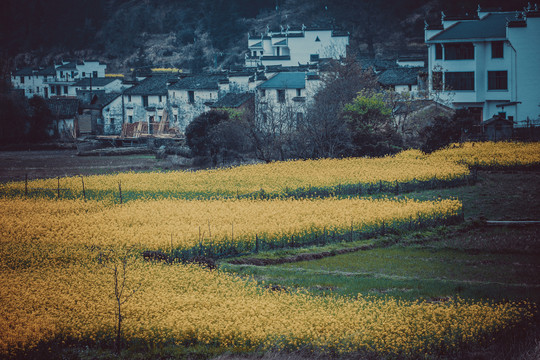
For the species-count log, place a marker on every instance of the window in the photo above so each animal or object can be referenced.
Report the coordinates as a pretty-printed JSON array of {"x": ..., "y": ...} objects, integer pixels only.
[
  {"x": 278, "y": 51},
  {"x": 129, "y": 98},
  {"x": 263, "y": 93},
  {"x": 459, "y": 80},
  {"x": 130, "y": 119},
  {"x": 497, "y": 49},
  {"x": 53, "y": 89},
  {"x": 459, "y": 51},
  {"x": 94, "y": 74},
  {"x": 438, "y": 51},
  {"x": 83, "y": 74},
  {"x": 37, "y": 89},
  {"x": 497, "y": 80},
  {"x": 145, "y": 101},
  {"x": 61, "y": 74},
  {"x": 160, "y": 117},
  {"x": 191, "y": 97},
  {"x": 65, "y": 89},
  {"x": 314, "y": 57},
  {"x": 151, "y": 119},
  {"x": 22, "y": 79},
  {"x": 298, "y": 92},
  {"x": 72, "y": 74},
  {"x": 437, "y": 80},
  {"x": 112, "y": 121},
  {"x": 317, "y": 39},
  {"x": 160, "y": 98},
  {"x": 175, "y": 118},
  {"x": 281, "y": 96}
]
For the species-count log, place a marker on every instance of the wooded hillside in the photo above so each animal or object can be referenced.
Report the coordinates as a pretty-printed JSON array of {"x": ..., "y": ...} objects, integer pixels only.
[{"x": 203, "y": 34}]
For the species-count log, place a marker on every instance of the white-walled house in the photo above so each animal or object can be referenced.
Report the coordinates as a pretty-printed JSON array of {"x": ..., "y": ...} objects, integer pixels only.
[
  {"x": 488, "y": 64},
  {"x": 33, "y": 81},
  {"x": 112, "y": 113},
  {"x": 68, "y": 73},
  {"x": 147, "y": 101},
  {"x": 192, "y": 95},
  {"x": 282, "y": 101},
  {"x": 292, "y": 47}
]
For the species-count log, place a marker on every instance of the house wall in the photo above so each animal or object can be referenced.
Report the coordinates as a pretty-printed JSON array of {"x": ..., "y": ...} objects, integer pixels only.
[
  {"x": 298, "y": 48},
  {"x": 527, "y": 70},
  {"x": 186, "y": 111},
  {"x": 112, "y": 117},
  {"x": 521, "y": 49},
  {"x": 33, "y": 84}
]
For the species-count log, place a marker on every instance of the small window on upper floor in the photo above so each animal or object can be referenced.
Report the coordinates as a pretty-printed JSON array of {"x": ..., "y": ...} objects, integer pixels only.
[
  {"x": 160, "y": 98},
  {"x": 94, "y": 74},
  {"x": 263, "y": 93},
  {"x": 281, "y": 96},
  {"x": 191, "y": 97},
  {"x": 438, "y": 51},
  {"x": 497, "y": 49},
  {"x": 298, "y": 92},
  {"x": 317, "y": 39},
  {"x": 22, "y": 79}
]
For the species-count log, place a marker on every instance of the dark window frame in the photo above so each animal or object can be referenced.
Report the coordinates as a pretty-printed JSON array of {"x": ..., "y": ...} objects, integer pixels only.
[
  {"x": 459, "y": 51},
  {"x": 459, "y": 80},
  {"x": 191, "y": 96},
  {"x": 280, "y": 93},
  {"x": 497, "y": 50},
  {"x": 497, "y": 80}
]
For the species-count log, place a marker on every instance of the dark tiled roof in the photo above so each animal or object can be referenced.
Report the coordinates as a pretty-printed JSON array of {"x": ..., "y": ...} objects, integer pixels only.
[
  {"x": 377, "y": 64},
  {"x": 48, "y": 71},
  {"x": 286, "y": 80},
  {"x": 490, "y": 26},
  {"x": 63, "y": 108},
  {"x": 198, "y": 82},
  {"x": 152, "y": 85},
  {"x": 232, "y": 100},
  {"x": 24, "y": 72},
  {"x": 400, "y": 76},
  {"x": 68, "y": 66},
  {"x": 94, "y": 81}
]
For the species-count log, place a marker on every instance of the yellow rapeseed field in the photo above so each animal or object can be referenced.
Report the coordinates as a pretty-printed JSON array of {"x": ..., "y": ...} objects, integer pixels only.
[
  {"x": 187, "y": 305},
  {"x": 274, "y": 178},
  {"x": 492, "y": 154},
  {"x": 183, "y": 224}
]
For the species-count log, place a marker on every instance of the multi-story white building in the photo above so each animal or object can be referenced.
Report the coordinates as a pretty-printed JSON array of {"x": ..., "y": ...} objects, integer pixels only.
[
  {"x": 33, "y": 81},
  {"x": 282, "y": 101},
  {"x": 288, "y": 47},
  {"x": 488, "y": 64}
]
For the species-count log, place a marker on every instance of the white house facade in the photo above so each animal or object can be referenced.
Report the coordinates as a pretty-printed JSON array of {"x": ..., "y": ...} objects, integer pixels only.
[
  {"x": 282, "y": 101},
  {"x": 191, "y": 96},
  {"x": 488, "y": 64},
  {"x": 288, "y": 47},
  {"x": 33, "y": 81}
]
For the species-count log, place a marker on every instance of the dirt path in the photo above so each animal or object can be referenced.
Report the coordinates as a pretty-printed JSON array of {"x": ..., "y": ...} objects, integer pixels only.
[{"x": 14, "y": 165}]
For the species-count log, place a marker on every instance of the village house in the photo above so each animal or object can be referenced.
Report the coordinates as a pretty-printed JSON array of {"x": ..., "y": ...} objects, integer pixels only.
[
  {"x": 293, "y": 47},
  {"x": 33, "y": 81},
  {"x": 488, "y": 63},
  {"x": 284, "y": 98},
  {"x": 65, "y": 112},
  {"x": 106, "y": 84},
  {"x": 68, "y": 73},
  {"x": 146, "y": 101},
  {"x": 192, "y": 95}
]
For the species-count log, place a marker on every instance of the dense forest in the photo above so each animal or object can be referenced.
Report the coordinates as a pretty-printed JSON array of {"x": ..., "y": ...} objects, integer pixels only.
[{"x": 203, "y": 34}]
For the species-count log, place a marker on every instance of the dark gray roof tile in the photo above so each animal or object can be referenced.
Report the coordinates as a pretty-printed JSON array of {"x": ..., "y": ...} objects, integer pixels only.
[{"x": 198, "y": 82}]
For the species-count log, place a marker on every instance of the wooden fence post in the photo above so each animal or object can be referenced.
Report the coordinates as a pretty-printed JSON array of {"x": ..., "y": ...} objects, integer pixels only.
[
  {"x": 83, "y": 190},
  {"x": 120, "y": 190}
]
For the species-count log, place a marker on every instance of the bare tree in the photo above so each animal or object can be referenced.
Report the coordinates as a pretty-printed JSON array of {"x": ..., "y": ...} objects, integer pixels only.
[
  {"x": 325, "y": 131},
  {"x": 118, "y": 263}
]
